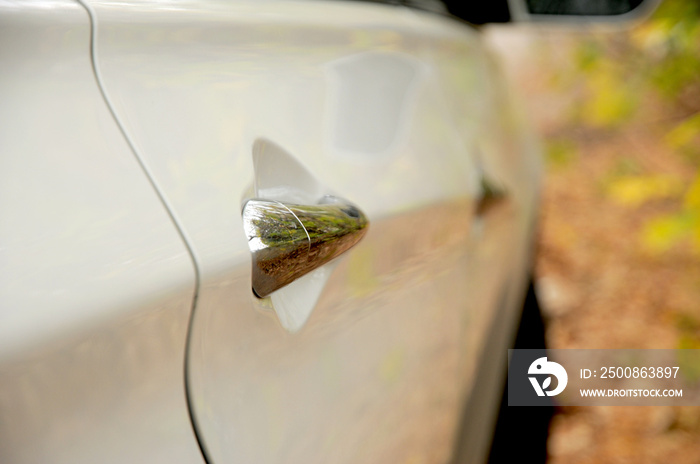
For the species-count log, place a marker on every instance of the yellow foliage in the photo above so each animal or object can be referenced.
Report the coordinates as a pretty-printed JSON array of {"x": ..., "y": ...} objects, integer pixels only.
[
  {"x": 661, "y": 233},
  {"x": 691, "y": 205},
  {"x": 684, "y": 133},
  {"x": 687, "y": 361},
  {"x": 652, "y": 34},
  {"x": 692, "y": 196},
  {"x": 560, "y": 153},
  {"x": 637, "y": 190},
  {"x": 695, "y": 237},
  {"x": 610, "y": 103}
]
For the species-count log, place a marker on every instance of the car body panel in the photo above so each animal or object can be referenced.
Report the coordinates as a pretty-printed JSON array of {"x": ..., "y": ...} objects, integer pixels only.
[
  {"x": 402, "y": 113},
  {"x": 96, "y": 285}
]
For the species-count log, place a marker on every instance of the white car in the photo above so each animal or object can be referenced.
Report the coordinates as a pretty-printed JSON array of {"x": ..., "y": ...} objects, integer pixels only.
[{"x": 152, "y": 153}]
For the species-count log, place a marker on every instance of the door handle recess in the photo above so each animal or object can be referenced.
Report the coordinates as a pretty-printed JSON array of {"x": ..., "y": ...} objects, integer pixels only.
[{"x": 287, "y": 241}]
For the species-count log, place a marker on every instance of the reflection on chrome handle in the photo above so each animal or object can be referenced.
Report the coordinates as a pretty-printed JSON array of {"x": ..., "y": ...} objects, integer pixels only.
[{"x": 287, "y": 241}]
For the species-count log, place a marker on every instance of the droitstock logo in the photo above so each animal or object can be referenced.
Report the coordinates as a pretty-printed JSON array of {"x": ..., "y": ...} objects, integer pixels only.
[{"x": 550, "y": 368}]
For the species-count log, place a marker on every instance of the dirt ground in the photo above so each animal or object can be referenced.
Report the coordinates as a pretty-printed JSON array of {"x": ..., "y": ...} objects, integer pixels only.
[
  {"x": 600, "y": 291},
  {"x": 599, "y": 287}
]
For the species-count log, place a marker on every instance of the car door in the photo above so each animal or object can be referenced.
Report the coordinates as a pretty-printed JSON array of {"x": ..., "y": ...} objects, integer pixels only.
[
  {"x": 96, "y": 285},
  {"x": 375, "y": 356}
]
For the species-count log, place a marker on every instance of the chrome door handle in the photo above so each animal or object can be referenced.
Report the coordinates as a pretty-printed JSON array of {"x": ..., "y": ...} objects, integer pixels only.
[{"x": 288, "y": 240}]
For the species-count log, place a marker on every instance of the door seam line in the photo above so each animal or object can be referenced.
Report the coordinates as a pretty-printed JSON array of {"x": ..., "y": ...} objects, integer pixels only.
[{"x": 169, "y": 210}]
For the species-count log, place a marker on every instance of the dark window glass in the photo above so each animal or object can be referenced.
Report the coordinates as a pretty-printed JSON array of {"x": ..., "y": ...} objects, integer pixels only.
[{"x": 582, "y": 7}]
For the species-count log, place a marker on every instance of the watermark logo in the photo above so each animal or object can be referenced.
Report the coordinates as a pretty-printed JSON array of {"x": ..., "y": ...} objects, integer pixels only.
[
  {"x": 603, "y": 377},
  {"x": 550, "y": 368}
]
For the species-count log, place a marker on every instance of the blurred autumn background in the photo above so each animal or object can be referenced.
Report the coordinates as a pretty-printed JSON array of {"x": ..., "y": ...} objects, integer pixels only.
[{"x": 619, "y": 251}]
